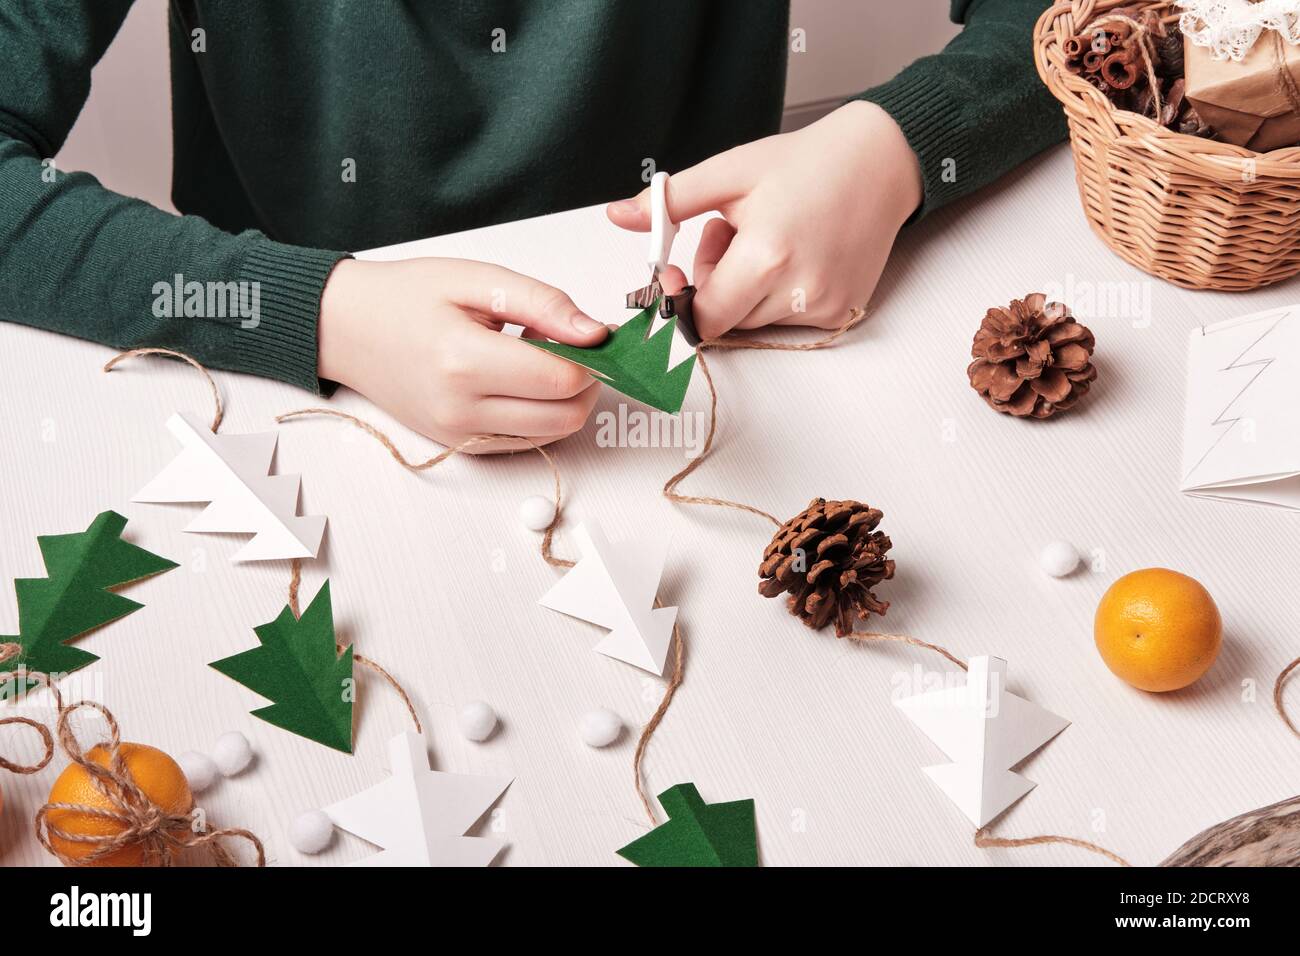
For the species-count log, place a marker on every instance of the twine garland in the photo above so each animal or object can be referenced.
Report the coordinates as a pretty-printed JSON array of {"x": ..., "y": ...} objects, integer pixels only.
[
  {"x": 670, "y": 492},
  {"x": 678, "y": 642},
  {"x": 983, "y": 837},
  {"x": 160, "y": 834},
  {"x": 295, "y": 565},
  {"x": 729, "y": 341}
]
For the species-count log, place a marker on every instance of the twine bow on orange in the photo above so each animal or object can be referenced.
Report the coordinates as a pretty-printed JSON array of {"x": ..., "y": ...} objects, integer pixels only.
[
  {"x": 138, "y": 820},
  {"x": 159, "y": 833}
]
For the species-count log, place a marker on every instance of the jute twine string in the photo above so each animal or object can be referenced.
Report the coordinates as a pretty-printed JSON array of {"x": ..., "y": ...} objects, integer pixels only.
[
  {"x": 193, "y": 363},
  {"x": 7, "y": 653},
  {"x": 670, "y": 492},
  {"x": 670, "y": 487},
  {"x": 1278, "y": 703},
  {"x": 160, "y": 833},
  {"x": 295, "y": 583},
  {"x": 295, "y": 566},
  {"x": 730, "y": 341},
  {"x": 982, "y": 837},
  {"x": 1282, "y": 74},
  {"x": 438, "y": 459},
  {"x": 985, "y": 841},
  {"x": 679, "y": 644},
  {"x": 737, "y": 341}
]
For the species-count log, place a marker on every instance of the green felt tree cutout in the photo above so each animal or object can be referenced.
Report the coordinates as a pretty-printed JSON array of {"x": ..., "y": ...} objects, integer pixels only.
[
  {"x": 74, "y": 598},
  {"x": 697, "y": 833},
  {"x": 634, "y": 362},
  {"x": 299, "y": 667}
]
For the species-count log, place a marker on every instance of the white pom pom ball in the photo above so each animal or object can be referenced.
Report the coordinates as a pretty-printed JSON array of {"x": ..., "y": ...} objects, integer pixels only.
[
  {"x": 232, "y": 753},
  {"x": 600, "y": 727},
  {"x": 311, "y": 832},
  {"x": 477, "y": 720},
  {"x": 1058, "y": 559},
  {"x": 200, "y": 770},
  {"x": 537, "y": 513}
]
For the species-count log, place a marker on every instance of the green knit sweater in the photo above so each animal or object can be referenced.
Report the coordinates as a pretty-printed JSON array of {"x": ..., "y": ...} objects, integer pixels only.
[{"x": 303, "y": 128}]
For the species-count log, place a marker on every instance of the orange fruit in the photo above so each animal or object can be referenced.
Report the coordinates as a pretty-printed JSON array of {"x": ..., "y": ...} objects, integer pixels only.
[
  {"x": 1157, "y": 629},
  {"x": 155, "y": 773}
]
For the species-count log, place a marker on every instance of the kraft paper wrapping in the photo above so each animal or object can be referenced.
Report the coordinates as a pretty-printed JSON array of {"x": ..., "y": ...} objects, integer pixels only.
[{"x": 1253, "y": 103}]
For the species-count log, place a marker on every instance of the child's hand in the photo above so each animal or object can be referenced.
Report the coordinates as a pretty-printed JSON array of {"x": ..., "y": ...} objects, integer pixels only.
[
  {"x": 422, "y": 339},
  {"x": 810, "y": 217}
]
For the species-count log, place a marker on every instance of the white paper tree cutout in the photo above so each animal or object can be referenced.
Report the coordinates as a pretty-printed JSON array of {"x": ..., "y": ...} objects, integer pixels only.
[
  {"x": 1241, "y": 424},
  {"x": 985, "y": 730},
  {"x": 418, "y": 816},
  {"x": 231, "y": 472},
  {"x": 614, "y": 587}
]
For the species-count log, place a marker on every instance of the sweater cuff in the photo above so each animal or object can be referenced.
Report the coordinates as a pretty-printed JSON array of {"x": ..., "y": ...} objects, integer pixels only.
[
  {"x": 935, "y": 128},
  {"x": 281, "y": 342}
]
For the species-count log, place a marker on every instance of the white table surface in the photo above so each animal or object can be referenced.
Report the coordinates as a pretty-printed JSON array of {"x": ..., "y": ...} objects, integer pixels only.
[{"x": 433, "y": 576}]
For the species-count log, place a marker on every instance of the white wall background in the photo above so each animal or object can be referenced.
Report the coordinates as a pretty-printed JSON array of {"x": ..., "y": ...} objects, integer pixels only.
[
  {"x": 124, "y": 133},
  {"x": 855, "y": 44}
]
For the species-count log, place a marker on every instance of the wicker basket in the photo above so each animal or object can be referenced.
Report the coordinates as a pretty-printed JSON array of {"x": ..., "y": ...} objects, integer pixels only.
[{"x": 1201, "y": 214}]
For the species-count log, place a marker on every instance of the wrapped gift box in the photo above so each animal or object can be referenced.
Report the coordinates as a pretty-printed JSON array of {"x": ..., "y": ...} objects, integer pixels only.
[{"x": 1254, "y": 102}]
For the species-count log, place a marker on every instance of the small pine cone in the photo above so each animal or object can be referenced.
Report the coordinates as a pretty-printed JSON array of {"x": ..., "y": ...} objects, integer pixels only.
[
  {"x": 1169, "y": 53},
  {"x": 829, "y": 557},
  {"x": 1031, "y": 358}
]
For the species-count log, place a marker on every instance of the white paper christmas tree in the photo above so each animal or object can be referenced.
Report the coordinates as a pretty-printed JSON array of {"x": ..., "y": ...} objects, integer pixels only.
[
  {"x": 419, "y": 816},
  {"x": 985, "y": 730},
  {"x": 614, "y": 587},
  {"x": 231, "y": 472},
  {"x": 1241, "y": 425}
]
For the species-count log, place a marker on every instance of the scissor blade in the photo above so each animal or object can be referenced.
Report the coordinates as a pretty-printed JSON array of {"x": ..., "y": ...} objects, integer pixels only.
[{"x": 670, "y": 306}]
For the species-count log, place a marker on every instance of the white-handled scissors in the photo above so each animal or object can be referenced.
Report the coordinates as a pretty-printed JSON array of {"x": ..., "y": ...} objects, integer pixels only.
[
  {"x": 662, "y": 233},
  {"x": 662, "y": 229}
]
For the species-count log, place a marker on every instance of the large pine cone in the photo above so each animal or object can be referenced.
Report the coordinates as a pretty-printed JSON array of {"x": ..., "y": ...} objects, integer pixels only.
[
  {"x": 829, "y": 557},
  {"x": 1031, "y": 358}
]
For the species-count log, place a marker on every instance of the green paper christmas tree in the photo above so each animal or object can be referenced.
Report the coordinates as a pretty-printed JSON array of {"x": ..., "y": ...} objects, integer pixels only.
[
  {"x": 634, "y": 362},
  {"x": 299, "y": 667},
  {"x": 74, "y": 598},
  {"x": 697, "y": 833}
]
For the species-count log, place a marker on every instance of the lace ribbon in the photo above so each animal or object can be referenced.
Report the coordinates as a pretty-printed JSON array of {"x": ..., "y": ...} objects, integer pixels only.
[{"x": 1229, "y": 28}]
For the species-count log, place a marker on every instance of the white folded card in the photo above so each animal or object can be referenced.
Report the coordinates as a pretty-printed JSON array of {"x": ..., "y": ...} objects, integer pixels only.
[{"x": 1241, "y": 430}]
